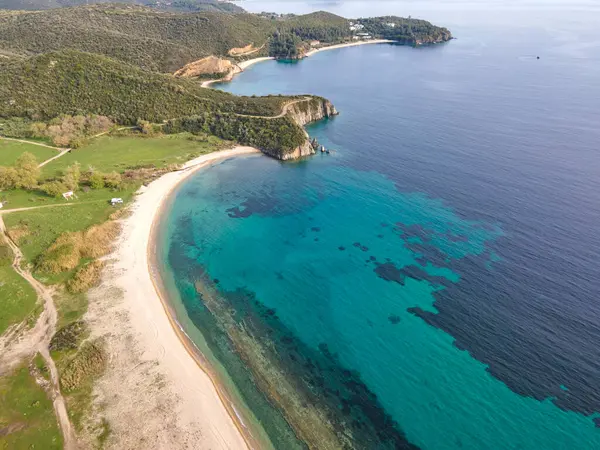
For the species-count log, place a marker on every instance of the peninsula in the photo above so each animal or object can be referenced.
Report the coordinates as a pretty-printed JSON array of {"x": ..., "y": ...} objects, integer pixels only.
[{"x": 102, "y": 113}]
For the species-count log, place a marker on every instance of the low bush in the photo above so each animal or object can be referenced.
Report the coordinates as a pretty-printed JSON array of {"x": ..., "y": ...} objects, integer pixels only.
[
  {"x": 68, "y": 337},
  {"x": 87, "y": 363},
  {"x": 63, "y": 255},
  {"x": 86, "y": 277},
  {"x": 67, "y": 250}
]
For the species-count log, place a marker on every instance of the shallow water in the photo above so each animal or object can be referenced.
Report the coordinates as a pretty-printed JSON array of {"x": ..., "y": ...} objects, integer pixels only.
[{"x": 434, "y": 281}]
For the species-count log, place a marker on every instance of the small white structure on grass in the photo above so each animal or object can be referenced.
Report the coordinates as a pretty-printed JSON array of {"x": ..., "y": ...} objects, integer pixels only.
[
  {"x": 1, "y": 205},
  {"x": 69, "y": 195},
  {"x": 116, "y": 201}
]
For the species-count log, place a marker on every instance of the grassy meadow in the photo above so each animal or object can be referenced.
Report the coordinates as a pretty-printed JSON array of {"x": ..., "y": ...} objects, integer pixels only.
[
  {"x": 17, "y": 297},
  {"x": 119, "y": 153},
  {"x": 11, "y": 150},
  {"x": 37, "y": 229},
  {"x": 26, "y": 416}
]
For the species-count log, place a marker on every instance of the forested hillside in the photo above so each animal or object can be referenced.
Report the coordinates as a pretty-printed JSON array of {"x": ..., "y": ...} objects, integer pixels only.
[
  {"x": 176, "y": 5},
  {"x": 49, "y": 85},
  {"x": 157, "y": 41},
  {"x": 410, "y": 31},
  {"x": 72, "y": 82}
]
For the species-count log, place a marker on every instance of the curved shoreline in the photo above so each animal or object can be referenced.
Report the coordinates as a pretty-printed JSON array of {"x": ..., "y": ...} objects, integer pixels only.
[
  {"x": 240, "y": 67},
  {"x": 203, "y": 399}
]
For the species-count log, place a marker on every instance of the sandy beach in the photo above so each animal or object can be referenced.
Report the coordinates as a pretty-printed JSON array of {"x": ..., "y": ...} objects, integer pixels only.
[
  {"x": 156, "y": 392},
  {"x": 239, "y": 68},
  {"x": 349, "y": 44}
]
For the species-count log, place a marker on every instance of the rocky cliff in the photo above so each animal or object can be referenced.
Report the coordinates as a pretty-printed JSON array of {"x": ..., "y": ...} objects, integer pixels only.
[
  {"x": 303, "y": 113},
  {"x": 299, "y": 152},
  {"x": 211, "y": 65},
  {"x": 311, "y": 110}
]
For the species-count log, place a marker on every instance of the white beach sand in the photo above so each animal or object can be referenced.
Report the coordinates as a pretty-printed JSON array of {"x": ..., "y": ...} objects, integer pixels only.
[{"x": 155, "y": 393}]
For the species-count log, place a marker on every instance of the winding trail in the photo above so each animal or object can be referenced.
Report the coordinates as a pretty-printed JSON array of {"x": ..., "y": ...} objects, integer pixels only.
[
  {"x": 15, "y": 347},
  {"x": 284, "y": 110},
  {"x": 30, "y": 142},
  {"x": 63, "y": 151}
]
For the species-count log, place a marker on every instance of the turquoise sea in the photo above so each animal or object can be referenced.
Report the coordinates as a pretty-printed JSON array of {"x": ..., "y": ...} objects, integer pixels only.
[{"x": 434, "y": 282}]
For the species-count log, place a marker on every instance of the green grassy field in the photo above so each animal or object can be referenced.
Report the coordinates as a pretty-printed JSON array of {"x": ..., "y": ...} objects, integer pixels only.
[
  {"x": 42, "y": 226},
  {"x": 17, "y": 297},
  {"x": 108, "y": 153},
  {"x": 18, "y": 198},
  {"x": 26, "y": 416},
  {"x": 11, "y": 150}
]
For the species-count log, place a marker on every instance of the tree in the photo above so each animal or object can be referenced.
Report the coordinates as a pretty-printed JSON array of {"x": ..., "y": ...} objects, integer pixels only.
[
  {"x": 8, "y": 177},
  {"x": 113, "y": 180},
  {"x": 285, "y": 46},
  {"x": 27, "y": 171},
  {"x": 72, "y": 176},
  {"x": 54, "y": 188},
  {"x": 96, "y": 180},
  {"x": 38, "y": 129}
]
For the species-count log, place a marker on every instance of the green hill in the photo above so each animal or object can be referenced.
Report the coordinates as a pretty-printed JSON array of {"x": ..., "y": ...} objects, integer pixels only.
[
  {"x": 176, "y": 5},
  {"x": 71, "y": 82},
  {"x": 163, "y": 41},
  {"x": 153, "y": 40}
]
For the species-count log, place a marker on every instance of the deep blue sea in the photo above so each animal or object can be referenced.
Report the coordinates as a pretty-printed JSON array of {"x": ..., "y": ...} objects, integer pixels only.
[{"x": 437, "y": 277}]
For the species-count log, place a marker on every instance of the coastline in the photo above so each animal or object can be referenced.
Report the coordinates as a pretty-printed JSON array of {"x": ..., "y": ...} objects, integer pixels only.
[
  {"x": 239, "y": 68},
  {"x": 200, "y": 414}
]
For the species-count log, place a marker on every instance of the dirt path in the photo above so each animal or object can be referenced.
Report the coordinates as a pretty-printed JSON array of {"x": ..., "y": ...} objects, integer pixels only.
[
  {"x": 56, "y": 205},
  {"x": 110, "y": 131},
  {"x": 31, "y": 142},
  {"x": 63, "y": 151},
  {"x": 284, "y": 110},
  {"x": 35, "y": 340}
]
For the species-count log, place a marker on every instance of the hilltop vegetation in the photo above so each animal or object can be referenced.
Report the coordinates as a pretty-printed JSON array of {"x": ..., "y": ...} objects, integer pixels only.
[
  {"x": 69, "y": 82},
  {"x": 152, "y": 40},
  {"x": 165, "y": 42},
  {"x": 176, "y": 5},
  {"x": 409, "y": 31}
]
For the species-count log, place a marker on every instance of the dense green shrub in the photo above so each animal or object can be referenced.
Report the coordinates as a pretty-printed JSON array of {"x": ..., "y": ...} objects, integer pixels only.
[
  {"x": 410, "y": 31},
  {"x": 275, "y": 136},
  {"x": 75, "y": 83}
]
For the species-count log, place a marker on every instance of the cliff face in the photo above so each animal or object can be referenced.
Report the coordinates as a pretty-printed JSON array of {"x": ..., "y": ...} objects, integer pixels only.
[
  {"x": 313, "y": 110},
  {"x": 299, "y": 152},
  {"x": 303, "y": 113}
]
